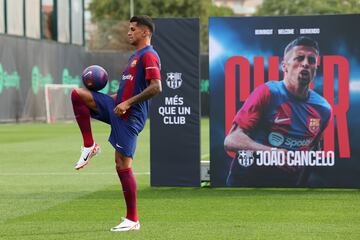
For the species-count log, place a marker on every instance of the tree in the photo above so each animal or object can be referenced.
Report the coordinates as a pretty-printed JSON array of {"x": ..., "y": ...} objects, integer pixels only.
[
  {"x": 307, "y": 7},
  {"x": 113, "y": 12}
]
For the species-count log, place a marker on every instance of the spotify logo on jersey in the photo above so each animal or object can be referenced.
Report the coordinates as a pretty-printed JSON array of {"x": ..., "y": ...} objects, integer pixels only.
[{"x": 276, "y": 139}]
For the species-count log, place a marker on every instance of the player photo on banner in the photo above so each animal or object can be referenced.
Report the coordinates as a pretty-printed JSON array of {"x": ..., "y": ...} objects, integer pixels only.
[{"x": 285, "y": 101}]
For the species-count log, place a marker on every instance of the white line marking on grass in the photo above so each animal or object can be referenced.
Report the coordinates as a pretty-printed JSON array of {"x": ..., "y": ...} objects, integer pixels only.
[{"x": 66, "y": 173}]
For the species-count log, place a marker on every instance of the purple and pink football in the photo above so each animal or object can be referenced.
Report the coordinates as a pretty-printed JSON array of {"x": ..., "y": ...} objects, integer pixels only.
[{"x": 94, "y": 77}]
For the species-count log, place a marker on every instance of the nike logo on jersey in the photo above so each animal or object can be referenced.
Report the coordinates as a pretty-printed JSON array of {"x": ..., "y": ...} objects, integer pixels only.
[
  {"x": 118, "y": 146},
  {"x": 280, "y": 120}
]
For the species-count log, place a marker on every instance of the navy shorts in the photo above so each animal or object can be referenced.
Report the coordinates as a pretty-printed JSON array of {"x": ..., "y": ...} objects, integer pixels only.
[{"x": 123, "y": 136}]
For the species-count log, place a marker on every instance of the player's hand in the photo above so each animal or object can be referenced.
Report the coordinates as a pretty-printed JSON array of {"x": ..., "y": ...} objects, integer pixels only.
[{"x": 121, "y": 108}]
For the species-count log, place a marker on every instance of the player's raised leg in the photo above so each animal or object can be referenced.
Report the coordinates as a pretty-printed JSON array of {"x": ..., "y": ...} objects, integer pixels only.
[
  {"x": 82, "y": 101},
  {"x": 128, "y": 183}
]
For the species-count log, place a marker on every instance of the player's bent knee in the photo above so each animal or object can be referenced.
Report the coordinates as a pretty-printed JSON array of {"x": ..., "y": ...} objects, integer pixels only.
[
  {"x": 83, "y": 96},
  {"x": 75, "y": 96}
]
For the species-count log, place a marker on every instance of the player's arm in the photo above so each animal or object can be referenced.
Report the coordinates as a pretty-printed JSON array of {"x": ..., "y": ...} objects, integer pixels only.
[
  {"x": 246, "y": 120},
  {"x": 153, "y": 89},
  {"x": 238, "y": 139}
]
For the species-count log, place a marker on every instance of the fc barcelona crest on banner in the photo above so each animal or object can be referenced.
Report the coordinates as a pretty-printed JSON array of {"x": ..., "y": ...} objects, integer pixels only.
[
  {"x": 245, "y": 158},
  {"x": 314, "y": 125},
  {"x": 173, "y": 80}
]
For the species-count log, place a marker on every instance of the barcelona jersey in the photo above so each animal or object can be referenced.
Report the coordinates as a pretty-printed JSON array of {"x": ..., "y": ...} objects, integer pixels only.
[
  {"x": 274, "y": 117},
  {"x": 143, "y": 66}
]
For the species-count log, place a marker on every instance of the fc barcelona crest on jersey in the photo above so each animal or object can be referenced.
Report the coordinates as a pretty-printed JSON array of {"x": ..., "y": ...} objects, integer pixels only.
[
  {"x": 133, "y": 63},
  {"x": 314, "y": 125},
  {"x": 173, "y": 80}
]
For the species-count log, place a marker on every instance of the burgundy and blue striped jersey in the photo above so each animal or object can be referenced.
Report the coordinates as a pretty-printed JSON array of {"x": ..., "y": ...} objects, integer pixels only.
[
  {"x": 143, "y": 66},
  {"x": 274, "y": 117}
]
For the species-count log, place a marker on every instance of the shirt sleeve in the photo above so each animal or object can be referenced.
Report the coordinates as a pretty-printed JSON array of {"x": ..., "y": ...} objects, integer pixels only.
[
  {"x": 253, "y": 109},
  {"x": 151, "y": 66}
]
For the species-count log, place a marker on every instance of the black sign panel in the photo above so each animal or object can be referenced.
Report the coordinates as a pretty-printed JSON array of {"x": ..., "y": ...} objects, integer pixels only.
[{"x": 175, "y": 113}]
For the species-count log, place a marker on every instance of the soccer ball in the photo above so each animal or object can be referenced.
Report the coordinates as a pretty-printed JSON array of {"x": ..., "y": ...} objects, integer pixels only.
[{"x": 94, "y": 77}]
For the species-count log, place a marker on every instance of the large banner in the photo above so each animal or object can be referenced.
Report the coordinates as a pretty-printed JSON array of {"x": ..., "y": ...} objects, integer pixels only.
[
  {"x": 175, "y": 113},
  {"x": 285, "y": 100}
]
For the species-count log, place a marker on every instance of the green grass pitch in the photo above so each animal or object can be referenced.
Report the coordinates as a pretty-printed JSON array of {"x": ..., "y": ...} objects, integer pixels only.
[{"x": 42, "y": 197}]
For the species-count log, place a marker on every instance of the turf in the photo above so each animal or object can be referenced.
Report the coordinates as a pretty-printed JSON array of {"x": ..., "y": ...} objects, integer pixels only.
[{"x": 42, "y": 197}]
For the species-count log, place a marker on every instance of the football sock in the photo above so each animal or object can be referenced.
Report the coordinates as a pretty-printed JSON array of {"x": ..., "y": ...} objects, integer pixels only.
[
  {"x": 82, "y": 116},
  {"x": 128, "y": 184}
]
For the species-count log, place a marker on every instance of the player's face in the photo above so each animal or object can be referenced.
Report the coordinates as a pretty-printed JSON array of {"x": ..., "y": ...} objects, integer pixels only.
[
  {"x": 136, "y": 33},
  {"x": 300, "y": 65}
]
